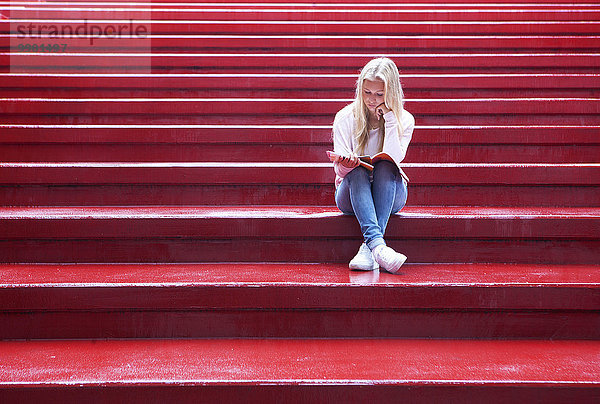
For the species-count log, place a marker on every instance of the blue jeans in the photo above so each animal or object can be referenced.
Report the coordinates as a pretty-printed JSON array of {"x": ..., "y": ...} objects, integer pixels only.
[{"x": 372, "y": 202}]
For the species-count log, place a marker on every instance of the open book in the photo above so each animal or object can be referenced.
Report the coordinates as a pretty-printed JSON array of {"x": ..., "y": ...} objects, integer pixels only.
[{"x": 368, "y": 161}]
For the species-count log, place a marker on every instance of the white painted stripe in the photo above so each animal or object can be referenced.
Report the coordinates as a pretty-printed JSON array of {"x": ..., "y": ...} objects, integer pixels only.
[
  {"x": 280, "y": 165},
  {"x": 298, "y": 75},
  {"x": 298, "y": 55}
]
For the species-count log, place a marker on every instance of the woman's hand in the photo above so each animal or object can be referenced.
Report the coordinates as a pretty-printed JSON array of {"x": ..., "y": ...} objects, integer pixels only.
[
  {"x": 349, "y": 161},
  {"x": 381, "y": 110}
]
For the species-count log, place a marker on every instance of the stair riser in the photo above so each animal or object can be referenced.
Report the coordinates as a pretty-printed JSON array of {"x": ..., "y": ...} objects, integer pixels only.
[
  {"x": 498, "y": 299},
  {"x": 306, "y": 107},
  {"x": 419, "y": 195},
  {"x": 417, "y": 152},
  {"x": 300, "y": 224},
  {"x": 460, "y": 93},
  {"x": 509, "y": 119},
  {"x": 285, "y": 323},
  {"x": 296, "y": 250},
  {"x": 214, "y": 135},
  {"x": 101, "y": 13},
  {"x": 267, "y": 63},
  {"x": 289, "y": 84},
  {"x": 325, "y": 43},
  {"x": 302, "y": 393},
  {"x": 326, "y": 28}
]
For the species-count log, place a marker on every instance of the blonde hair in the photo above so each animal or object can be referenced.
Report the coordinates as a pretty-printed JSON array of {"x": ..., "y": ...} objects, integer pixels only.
[{"x": 379, "y": 69}]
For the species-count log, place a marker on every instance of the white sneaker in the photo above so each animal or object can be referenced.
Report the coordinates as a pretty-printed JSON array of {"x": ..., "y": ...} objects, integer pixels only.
[
  {"x": 388, "y": 259},
  {"x": 363, "y": 260}
]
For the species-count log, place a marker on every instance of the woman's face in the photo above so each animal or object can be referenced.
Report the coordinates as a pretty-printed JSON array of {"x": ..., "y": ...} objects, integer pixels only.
[{"x": 373, "y": 94}]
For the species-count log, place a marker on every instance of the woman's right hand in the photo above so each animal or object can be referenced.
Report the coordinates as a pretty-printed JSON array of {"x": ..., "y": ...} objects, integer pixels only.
[{"x": 349, "y": 161}]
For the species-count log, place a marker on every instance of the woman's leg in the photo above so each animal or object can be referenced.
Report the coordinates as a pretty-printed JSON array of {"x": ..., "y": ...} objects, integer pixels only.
[
  {"x": 373, "y": 205},
  {"x": 354, "y": 196},
  {"x": 389, "y": 192}
]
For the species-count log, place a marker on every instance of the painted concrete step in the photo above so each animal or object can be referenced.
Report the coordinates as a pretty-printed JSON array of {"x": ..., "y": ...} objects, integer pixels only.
[
  {"x": 284, "y": 106},
  {"x": 368, "y": 370},
  {"x": 336, "y": 4},
  {"x": 249, "y": 62},
  {"x": 241, "y": 13},
  {"x": 271, "y": 143},
  {"x": 28, "y": 85},
  {"x": 394, "y": 27},
  {"x": 289, "y": 183},
  {"x": 345, "y": 82},
  {"x": 287, "y": 134},
  {"x": 280, "y": 152},
  {"x": 299, "y": 300},
  {"x": 509, "y": 119},
  {"x": 297, "y": 234},
  {"x": 351, "y": 4},
  {"x": 299, "y": 43}
]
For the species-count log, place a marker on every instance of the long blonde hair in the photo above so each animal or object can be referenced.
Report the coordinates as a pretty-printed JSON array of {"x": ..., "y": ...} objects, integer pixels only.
[{"x": 382, "y": 69}]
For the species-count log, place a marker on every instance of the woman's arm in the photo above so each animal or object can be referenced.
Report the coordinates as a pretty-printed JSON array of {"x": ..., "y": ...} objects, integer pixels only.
[
  {"x": 342, "y": 145},
  {"x": 398, "y": 137}
]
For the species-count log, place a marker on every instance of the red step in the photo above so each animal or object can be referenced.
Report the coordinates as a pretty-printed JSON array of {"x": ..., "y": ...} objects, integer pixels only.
[
  {"x": 289, "y": 183},
  {"x": 353, "y": 3},
  {"x": 262, "y": 27},
  {"x": 458, "y": 4},
  {"x": 305, "y": 13},
  {"x": 157, "y": 133},
  {"x": 300, "y": 43},
  {"x": 568, "y": 62},
  {"x": 267, "y": 143},
  {"x": 279, "y": 152},
  {"x": 299, "y": 300},
  {"x": 367, "y": 370},
  {"x": 321, "y": 82},
  {"x": 296, "y": 107},
  {"x": 300, "y": 234},
  {"x": 27, "y": 85}
]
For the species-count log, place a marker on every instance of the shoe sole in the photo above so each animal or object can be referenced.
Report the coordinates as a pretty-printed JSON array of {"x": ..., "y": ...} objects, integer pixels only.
[{"x": 361, "y": 268}]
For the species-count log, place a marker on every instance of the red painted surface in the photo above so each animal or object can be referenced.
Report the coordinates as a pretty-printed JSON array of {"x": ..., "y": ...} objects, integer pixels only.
[
  {"x": 277, "y": 184},
  {"x": 301, "y": 361},
  {"x": 209, "y": 234},
  {"x": 311, "y": 195},
  {"x": 298, "y": 300},
  {"x": 364, "y": 43},
  {"x": 253, "y": 62},
  {"x": 260, "y": 152},
  {"x": 238, "y": 106},
  {"x": 308, "y": 14},
  {"x": 394, "y": 27},
  {"x": 302, "y": 323},
  {"x": 331, "y": 82},
  {"x": 187, "y": 135},
  {"x": 432, "y": 286},
  {"x": 275, "y": 249},
  {"x": 308, "y": 173},
  {"x": 500, "y": 82}
]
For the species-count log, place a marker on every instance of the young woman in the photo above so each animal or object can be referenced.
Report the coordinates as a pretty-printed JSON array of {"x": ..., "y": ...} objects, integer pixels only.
[{"x": 375, "y": 122}]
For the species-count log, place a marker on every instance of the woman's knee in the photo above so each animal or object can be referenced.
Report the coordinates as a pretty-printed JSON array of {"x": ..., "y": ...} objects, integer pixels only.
[
  {"x": 357, "y": 174},
  {"x": 401, "y": 197},
  {"x": 385, "y": 169}
]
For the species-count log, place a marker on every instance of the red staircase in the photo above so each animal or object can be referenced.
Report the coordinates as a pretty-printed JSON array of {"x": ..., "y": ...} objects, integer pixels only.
[{"x": 167, "y": 217}]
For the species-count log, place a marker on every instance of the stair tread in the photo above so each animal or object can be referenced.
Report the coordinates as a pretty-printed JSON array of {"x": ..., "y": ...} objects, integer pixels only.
[
  {"x": 294, "y": 107},
  {"x": 291, "y": 361},
  {"x": 295, "y": 274},
  {"x": 265, "y": 286},
  {"x": 268, "y": 134},
  {"x": 282, "y": 212}
]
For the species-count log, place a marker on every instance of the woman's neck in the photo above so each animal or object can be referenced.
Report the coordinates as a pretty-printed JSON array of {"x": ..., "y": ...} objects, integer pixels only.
[{"x": 373, "y": 122}]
